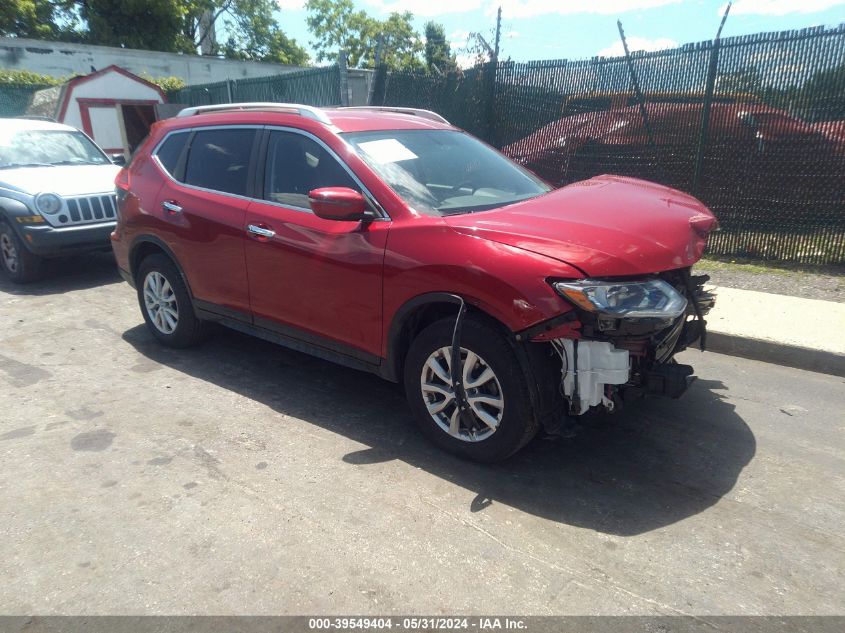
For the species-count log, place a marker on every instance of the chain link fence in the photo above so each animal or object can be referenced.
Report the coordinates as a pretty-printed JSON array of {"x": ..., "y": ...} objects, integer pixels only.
[
  {"x": 770, "y": 160},
  {"x": 14, "y": 98}
]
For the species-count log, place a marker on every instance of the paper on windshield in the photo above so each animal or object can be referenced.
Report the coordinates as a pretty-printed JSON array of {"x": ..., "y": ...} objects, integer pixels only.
[{"x": 387, "y": 150}]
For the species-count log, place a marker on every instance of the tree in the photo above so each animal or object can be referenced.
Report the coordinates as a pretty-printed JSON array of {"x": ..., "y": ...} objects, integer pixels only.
[
  {"x": 163, "y": 25},
  {"x": 336, "y": 25},
  {"x": 147, "y": 24},
  {"x": 438, "y": 56},
  {"x": 400, "y": 42},
  {"x": 38, "y": 19},
  {"x": 255, "y": 34},
  {"x": 823, "y": 95}
]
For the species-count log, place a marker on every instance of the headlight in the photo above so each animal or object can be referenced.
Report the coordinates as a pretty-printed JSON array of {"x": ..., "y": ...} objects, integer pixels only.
[
  {"x": 641, "y": 299},
  {"x": 48, "y": 203}
]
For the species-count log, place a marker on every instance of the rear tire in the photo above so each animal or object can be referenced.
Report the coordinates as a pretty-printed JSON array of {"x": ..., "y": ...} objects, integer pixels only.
[
  {"x": 496, "y": 388},
  {"x": 166, "y": 304},
  {"x": 17, "y": 261}
]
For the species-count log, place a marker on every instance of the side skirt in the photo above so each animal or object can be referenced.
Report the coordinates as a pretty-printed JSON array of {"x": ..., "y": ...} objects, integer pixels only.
[{"x": 287, "y": 337}]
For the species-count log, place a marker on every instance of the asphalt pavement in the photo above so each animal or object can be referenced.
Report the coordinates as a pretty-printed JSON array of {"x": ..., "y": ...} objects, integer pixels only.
[{"x": 243, "y": 478}]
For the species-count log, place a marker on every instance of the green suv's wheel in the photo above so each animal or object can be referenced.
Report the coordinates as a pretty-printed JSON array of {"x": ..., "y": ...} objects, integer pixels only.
[
  {"x": 166, "y": 304},
  {"x": 17, "y": 261},
  {"x": 498, "y": 420}
]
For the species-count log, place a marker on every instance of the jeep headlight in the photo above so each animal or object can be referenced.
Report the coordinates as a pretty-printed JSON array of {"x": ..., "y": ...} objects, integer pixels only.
[
  {"x": 48, "y": 203},
  {"x": 641, "y": 299}
]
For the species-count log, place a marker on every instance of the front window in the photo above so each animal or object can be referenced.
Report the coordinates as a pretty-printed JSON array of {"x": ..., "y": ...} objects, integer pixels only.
[
  {"x": 44, "y": 148},
  {"x": 444, "y": 172}
]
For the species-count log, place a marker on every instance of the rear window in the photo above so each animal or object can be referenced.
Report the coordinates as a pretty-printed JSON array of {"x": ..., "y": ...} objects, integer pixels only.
[
  {"x": 170, "y": 151},
  {"x": 219, "y": 160}
]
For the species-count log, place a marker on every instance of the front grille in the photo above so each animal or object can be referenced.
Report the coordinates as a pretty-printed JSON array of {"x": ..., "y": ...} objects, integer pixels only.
[{"x": 82, "y": 210}]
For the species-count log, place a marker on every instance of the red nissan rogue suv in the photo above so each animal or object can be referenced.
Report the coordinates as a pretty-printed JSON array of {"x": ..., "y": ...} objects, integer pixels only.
[{"x": 387, "y": 240}]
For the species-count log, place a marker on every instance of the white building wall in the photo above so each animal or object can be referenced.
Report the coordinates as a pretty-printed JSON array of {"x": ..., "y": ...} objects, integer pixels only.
[{"x": 61, "y": 59}]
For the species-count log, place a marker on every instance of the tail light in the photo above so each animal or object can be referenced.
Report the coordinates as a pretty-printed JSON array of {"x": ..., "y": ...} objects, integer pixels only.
[{"x": 122, "y": 181}]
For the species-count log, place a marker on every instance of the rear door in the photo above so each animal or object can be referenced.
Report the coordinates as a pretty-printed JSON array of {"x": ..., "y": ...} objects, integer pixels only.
[
  {"x": 316, "y": 279},
  {"x": 203, "y": 207}
]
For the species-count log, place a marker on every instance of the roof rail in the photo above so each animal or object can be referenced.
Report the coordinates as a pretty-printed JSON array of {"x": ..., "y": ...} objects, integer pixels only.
[
  {"x": 303, "y": 110},
  {"x": 425, "y": 114}
]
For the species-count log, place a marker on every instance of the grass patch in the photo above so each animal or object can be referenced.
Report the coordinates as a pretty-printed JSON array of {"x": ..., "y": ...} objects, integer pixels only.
[{"x": 756, "y": 267}]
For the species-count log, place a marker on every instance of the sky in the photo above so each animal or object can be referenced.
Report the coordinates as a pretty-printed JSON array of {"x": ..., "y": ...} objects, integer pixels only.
[{"x": 576, "y": 29}]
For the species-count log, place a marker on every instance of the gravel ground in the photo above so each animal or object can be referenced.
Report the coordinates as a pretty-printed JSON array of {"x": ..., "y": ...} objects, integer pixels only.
[
  {"x": 239, "y": 477},
  {"x": 827, "y": 285}
]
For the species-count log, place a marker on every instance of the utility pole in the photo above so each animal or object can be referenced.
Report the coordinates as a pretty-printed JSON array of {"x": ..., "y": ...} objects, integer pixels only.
[{"x": 498, "y": 35}]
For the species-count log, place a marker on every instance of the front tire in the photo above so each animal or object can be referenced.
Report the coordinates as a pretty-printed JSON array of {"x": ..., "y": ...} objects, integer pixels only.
[
  {"x": 499, "y": 420},
  {"x": 166, "y": 304},
  {"x": 19, "y": 264}
]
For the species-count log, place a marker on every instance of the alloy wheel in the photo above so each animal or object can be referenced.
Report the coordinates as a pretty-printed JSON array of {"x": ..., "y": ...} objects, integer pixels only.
[
  {"x": 9, "y": 253},
  {"x": 160, "y": 301},
  {"x": 483, "y": 392}
]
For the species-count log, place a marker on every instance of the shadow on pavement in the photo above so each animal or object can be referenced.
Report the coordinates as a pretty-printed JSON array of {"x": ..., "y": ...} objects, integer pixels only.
[
  {"x": 78, "y": 272},
  {"x": 653, "y": 464}
]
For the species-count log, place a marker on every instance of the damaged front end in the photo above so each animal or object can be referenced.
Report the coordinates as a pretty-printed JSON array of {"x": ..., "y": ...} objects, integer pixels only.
[{"x": 621, "y": 339}]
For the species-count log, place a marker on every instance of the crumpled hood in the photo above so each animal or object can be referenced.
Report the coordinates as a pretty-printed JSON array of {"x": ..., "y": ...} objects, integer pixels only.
[
  {"x": 606, "y": 226},
  {"x": 64, "y": 180}
]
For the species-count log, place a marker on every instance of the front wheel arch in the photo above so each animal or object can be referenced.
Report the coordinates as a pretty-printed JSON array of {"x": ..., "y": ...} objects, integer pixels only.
[{"x": 418, "y": 313}]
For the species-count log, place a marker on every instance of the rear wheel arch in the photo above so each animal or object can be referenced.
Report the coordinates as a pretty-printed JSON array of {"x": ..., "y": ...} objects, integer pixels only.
[{"x": 147, "y": 245}]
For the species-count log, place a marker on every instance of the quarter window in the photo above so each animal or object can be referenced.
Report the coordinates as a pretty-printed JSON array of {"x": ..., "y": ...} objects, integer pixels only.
[
  {"x": 219, "y": 160},
  {"x": 297, "y": 164},
  {"x": 170, "y": 151}
]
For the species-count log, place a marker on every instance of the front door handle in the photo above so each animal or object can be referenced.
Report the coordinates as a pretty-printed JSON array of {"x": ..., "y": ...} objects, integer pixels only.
[
  {"x": 171, "y": 207},
  {"x": 260, "y": 231}
]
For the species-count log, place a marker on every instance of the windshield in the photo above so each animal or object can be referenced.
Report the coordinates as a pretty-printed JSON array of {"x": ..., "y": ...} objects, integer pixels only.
[
  {"x": 43, "y": 148},
  {"x": 444, "y": 172}
]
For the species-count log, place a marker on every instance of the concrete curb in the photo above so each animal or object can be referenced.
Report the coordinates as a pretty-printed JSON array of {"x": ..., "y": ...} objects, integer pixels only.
[{"x": 778, "y": 353}]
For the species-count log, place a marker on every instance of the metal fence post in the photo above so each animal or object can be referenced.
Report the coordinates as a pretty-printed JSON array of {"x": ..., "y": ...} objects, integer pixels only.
[
  {"x": 710, "y": 87},
  {"x": 344, "y": 78}
]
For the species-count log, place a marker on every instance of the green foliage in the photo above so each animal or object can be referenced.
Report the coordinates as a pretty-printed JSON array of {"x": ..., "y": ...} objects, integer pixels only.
[
  {"x": 145, "y": 24},
  {"x": 255, "y": 34},
  {"x": 40, "y": 19},
  {"x": 27, "y": 78},
  {"x": 162, "y": 25},
  {"x": 336, "y": 25},
  {"x": 438, "y": 56},
  {"x": 401, "y": 44},
  {"x": 168, "y": 84},
  {"x": 824, "y": 94}
]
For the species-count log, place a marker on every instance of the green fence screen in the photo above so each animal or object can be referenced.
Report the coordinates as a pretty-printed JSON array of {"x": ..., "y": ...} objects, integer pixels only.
[
  {"x": 317, "y": 87},
  {"x": 769, "y": 159}
]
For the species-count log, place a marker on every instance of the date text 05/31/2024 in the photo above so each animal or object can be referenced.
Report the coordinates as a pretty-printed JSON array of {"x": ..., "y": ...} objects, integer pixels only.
[{"x": 417, "y": 623}]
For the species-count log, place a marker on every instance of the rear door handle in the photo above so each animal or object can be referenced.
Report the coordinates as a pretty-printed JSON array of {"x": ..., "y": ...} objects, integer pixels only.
[
  {"x": 171, "y": 207},
  {"x": 260, "y": 231}
]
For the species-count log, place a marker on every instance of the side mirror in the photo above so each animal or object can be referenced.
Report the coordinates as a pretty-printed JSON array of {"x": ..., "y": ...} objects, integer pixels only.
[
  {"x": 338, "y": 203},
  {"x": 118, "y": 159}
]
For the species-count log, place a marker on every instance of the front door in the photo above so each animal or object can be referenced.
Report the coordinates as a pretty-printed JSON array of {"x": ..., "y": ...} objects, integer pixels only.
[{"x": 315, "y": 279}]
